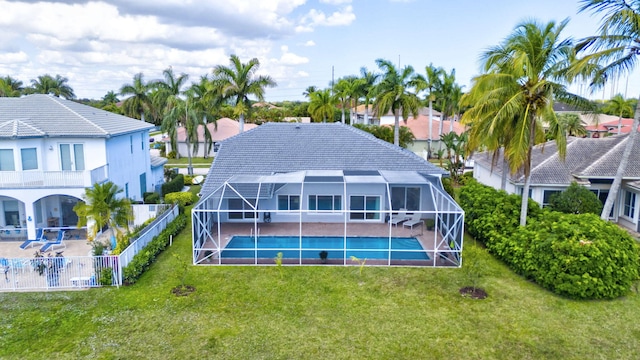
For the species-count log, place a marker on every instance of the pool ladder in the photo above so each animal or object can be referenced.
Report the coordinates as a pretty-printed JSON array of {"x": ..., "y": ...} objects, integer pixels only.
[{"x": 258, "y": 233}]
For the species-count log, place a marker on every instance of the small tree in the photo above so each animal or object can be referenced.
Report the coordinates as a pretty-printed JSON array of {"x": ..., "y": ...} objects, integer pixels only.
[{"x": 576, "y": 199}]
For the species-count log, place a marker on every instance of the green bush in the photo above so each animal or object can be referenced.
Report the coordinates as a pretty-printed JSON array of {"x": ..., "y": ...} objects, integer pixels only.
[
  {"x": 181, "y": 198},
  {"x": 106, "y": 276},
  {"x": 446, "y": 184},
  {"x": 576, "y": 199},
  {"x": 174, "y": 185},
  {"x": 171, "y": 154},
  {"x": 188, "y": 179},
  {"x": 143, "y": 260},
  {"x": 577, "y": 256},
  {"x": 152, "y": 198}
]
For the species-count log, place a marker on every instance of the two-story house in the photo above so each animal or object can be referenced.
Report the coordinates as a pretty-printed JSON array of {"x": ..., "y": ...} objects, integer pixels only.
[{"x": 51, "y": 149}]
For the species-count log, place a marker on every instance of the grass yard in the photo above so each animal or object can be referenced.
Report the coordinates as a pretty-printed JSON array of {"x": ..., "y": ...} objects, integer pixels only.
[
  {"x": 185, "y": 161},
  {"x": 318, "y": 312}
]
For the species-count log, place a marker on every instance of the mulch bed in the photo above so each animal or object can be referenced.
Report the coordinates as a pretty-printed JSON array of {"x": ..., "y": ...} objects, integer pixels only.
[
  {"x": 183, "y": 290},
  {"x": 476, "y": 293}
]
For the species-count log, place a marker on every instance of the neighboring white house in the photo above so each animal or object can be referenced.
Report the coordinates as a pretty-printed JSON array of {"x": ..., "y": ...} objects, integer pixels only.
[
  {"x": 51, "y": 149},
  {"x": 589, "y": 162},
  {"x": 323, "y": 179}
]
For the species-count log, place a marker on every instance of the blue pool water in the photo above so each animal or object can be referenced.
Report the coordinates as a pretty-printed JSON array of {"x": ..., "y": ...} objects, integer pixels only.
[{"x": 402, "y": 248}]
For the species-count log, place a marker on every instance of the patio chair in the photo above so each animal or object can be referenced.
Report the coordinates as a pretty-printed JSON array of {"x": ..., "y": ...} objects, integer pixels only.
[
  {"x": 40, "y": 239},
  {"x": 414, "y": 220},
  {"x": 399, "y": 217},
  {"x": 58, "y": 242}
]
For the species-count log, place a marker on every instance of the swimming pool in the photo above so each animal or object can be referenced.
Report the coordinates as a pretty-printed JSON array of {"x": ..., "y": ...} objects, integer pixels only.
[{"x": 402, "y": 248}]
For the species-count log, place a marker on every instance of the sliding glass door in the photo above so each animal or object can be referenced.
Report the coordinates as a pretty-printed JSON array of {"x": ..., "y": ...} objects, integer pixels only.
[{"x": 364, "y": 207}]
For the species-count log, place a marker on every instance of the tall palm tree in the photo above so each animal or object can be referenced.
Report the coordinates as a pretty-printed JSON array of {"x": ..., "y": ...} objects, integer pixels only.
[
  {"x": 57, "y": 86},
  {"x": 239, "y": 81},
  {"x": 191, "y": 119},
  {"x": 395, "y": 93},
  {"x": 611, "y": 53},
  {"x": 525, "y": 75},
  {"x": 449, "y": 94},
  {"x": 369, "y": 79},
  {"x": 431, "y": 83},
  {"x": 170, "y": 89},
  {"x": 10, "y": 87},
  {"x": 342, "y": 91},
  {"x": 322, "y": 105},
  {"x": 103, "y": 205},
  {"x": 205, "y": 98},
  {"x": 138, "y": 103},
  {"x": 619, "y": 106}
]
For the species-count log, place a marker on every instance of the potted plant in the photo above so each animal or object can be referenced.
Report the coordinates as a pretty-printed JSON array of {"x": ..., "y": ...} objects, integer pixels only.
[
  {"x": 429, "y": 224},
  {"x": 323, "y": 256}
]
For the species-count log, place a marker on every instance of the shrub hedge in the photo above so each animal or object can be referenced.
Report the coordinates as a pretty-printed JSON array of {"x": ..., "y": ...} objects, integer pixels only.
[
  {"x": 181, "y": 198},
  {"x": 175, "y": 185},
  {"x": 143, "y": 260},
  {"x": 577, "y": 256}
]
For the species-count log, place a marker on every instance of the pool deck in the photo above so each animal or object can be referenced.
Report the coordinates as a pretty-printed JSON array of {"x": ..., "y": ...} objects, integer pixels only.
[{"x": 429, "y": 240}]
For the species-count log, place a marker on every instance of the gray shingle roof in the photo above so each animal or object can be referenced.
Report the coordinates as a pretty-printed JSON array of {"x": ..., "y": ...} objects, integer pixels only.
[
  {"x": 44, "y": 115},
  {"x": 285, "y": 147},
  {"x": 585, "y": 158}
]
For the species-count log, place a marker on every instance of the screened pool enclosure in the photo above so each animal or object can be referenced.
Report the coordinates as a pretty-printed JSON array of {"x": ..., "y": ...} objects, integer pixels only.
[{"x": 324, "y": 216}]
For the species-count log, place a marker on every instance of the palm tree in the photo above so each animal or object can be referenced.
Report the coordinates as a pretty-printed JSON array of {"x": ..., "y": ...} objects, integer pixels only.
[
  {"x": 525, "y": 75},
  {"x": 170, "y": 89},
  {"x": 619, "y": 106},
  {"x": 205, "y": 98},
  {"x": 369, "y": 79},
  {"x": 309, "y": 90},
  {"x": 571, "y": 125},
  {"x": 191, "y": 119},
  {"x": 322, "y": 105},
  {"x": 138, "y": 103},
  {"x": 449, "y": 95},
  {"x": 394, "y": 94},
  {"x": 611, "y": 53},
  {"x": 103, "y": 205},
  {"x": 10, "y": 87},
  {"x": 110, "y": 98},
  {"x": 341, "y": 91},
  {"x": 431, "y": 83},
  {"x": 239, "y": 81},
  {"x": 57, "y": 86}
]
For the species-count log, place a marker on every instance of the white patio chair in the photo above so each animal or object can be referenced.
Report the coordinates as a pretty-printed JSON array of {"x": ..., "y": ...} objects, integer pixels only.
[
  {"x": 399, "y": 217},
  {"x": 414, "y": 220}
]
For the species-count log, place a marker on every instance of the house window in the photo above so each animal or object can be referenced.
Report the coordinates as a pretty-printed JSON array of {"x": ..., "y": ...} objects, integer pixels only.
[
  {"x": 11, "y": 213},
  {"x": 325, "y": 203},
  {"x": 405, "y": 198},
  {"x": 72, "y": 157},
  {"x": 521, "y": 190},
  {"x": 142, "y": 141},
  {"x": 143, "y": 184},
  {"x": 602, "y": 196},
  {"x": 131, "y": 143},
  {"x": 365, "y": 208},
  {"x": 629, "y": 204},
  {"x": 29, "y": 159},
  {"x": 126, "y": 190},
  {"x": 6, "y": 160},
  {"x": 242, "y": 209},
  {"x": 546, "y": 197},
  {"x": 288, "y": 202}
]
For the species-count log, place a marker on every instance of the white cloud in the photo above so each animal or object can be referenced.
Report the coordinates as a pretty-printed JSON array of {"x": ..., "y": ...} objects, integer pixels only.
[
  {"x": 335, "y": 2},
  {"x": 14, "y": 57},
  {"x": 339, "y": 18},
  {"x": 310, "y": 43}
]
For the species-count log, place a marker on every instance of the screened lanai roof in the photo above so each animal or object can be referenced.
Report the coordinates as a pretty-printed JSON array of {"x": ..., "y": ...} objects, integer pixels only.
[{"x": 248, "y": 186}]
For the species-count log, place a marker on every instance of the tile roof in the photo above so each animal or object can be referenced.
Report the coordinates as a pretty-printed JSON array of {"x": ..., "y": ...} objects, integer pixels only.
[
  {"x": 585, "y": 158},
  {"x": 284, "y": 147},
  {"x": 45, "y": 115},
  {"x": 226, "y": 128},
  {"x": 157, "y": 161},
  {"x": 420, "y": 127}
]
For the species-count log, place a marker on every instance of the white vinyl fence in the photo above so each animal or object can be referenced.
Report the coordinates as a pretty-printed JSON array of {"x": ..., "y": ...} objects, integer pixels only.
[{"x": 69, "y": 272}]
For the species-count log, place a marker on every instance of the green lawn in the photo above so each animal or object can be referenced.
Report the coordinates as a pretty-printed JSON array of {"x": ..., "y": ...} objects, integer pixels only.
[
  {"x": 185, "y": 161},
  {"x": 315, "y": 312}
]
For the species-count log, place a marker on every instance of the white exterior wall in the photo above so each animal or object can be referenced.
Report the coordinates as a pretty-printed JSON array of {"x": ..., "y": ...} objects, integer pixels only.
[
  {"x": 127, "y": 162},
  {"x": 48, "y": 152},
  {"x": 485, "y": 176}
]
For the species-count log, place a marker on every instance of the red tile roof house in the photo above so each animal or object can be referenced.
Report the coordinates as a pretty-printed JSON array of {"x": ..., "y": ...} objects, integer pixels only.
[
  {"x": 226, "y": 128},
  {"x": 420, "y": 128},
  {"x": 590, "y": 162},
  {"x": 610, "y": 128}
]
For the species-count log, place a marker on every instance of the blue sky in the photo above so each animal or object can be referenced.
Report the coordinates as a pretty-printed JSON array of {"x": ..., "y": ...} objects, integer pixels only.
[{"x": 100, "y": 45}]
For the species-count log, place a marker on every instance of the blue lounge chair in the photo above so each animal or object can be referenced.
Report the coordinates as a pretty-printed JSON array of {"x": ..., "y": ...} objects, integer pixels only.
[
  {"x": 58, "y": 242},
  {"x": 40, "y": 239}
]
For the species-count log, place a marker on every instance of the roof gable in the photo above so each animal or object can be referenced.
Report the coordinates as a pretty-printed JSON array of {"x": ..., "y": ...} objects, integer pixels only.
[
  {"x": 283, "y": 148},
  {"x": 44, "y": 115}
]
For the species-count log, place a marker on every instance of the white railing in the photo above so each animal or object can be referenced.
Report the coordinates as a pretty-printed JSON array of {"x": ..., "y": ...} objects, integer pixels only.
[
  {"x": 47, "y": 179},
  {"x": 146, "y": 235},
  {"x": 57, "y": 273}
]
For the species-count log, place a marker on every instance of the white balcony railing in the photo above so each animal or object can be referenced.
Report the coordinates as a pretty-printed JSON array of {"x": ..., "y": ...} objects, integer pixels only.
[{"x": 48, "y": 179}]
